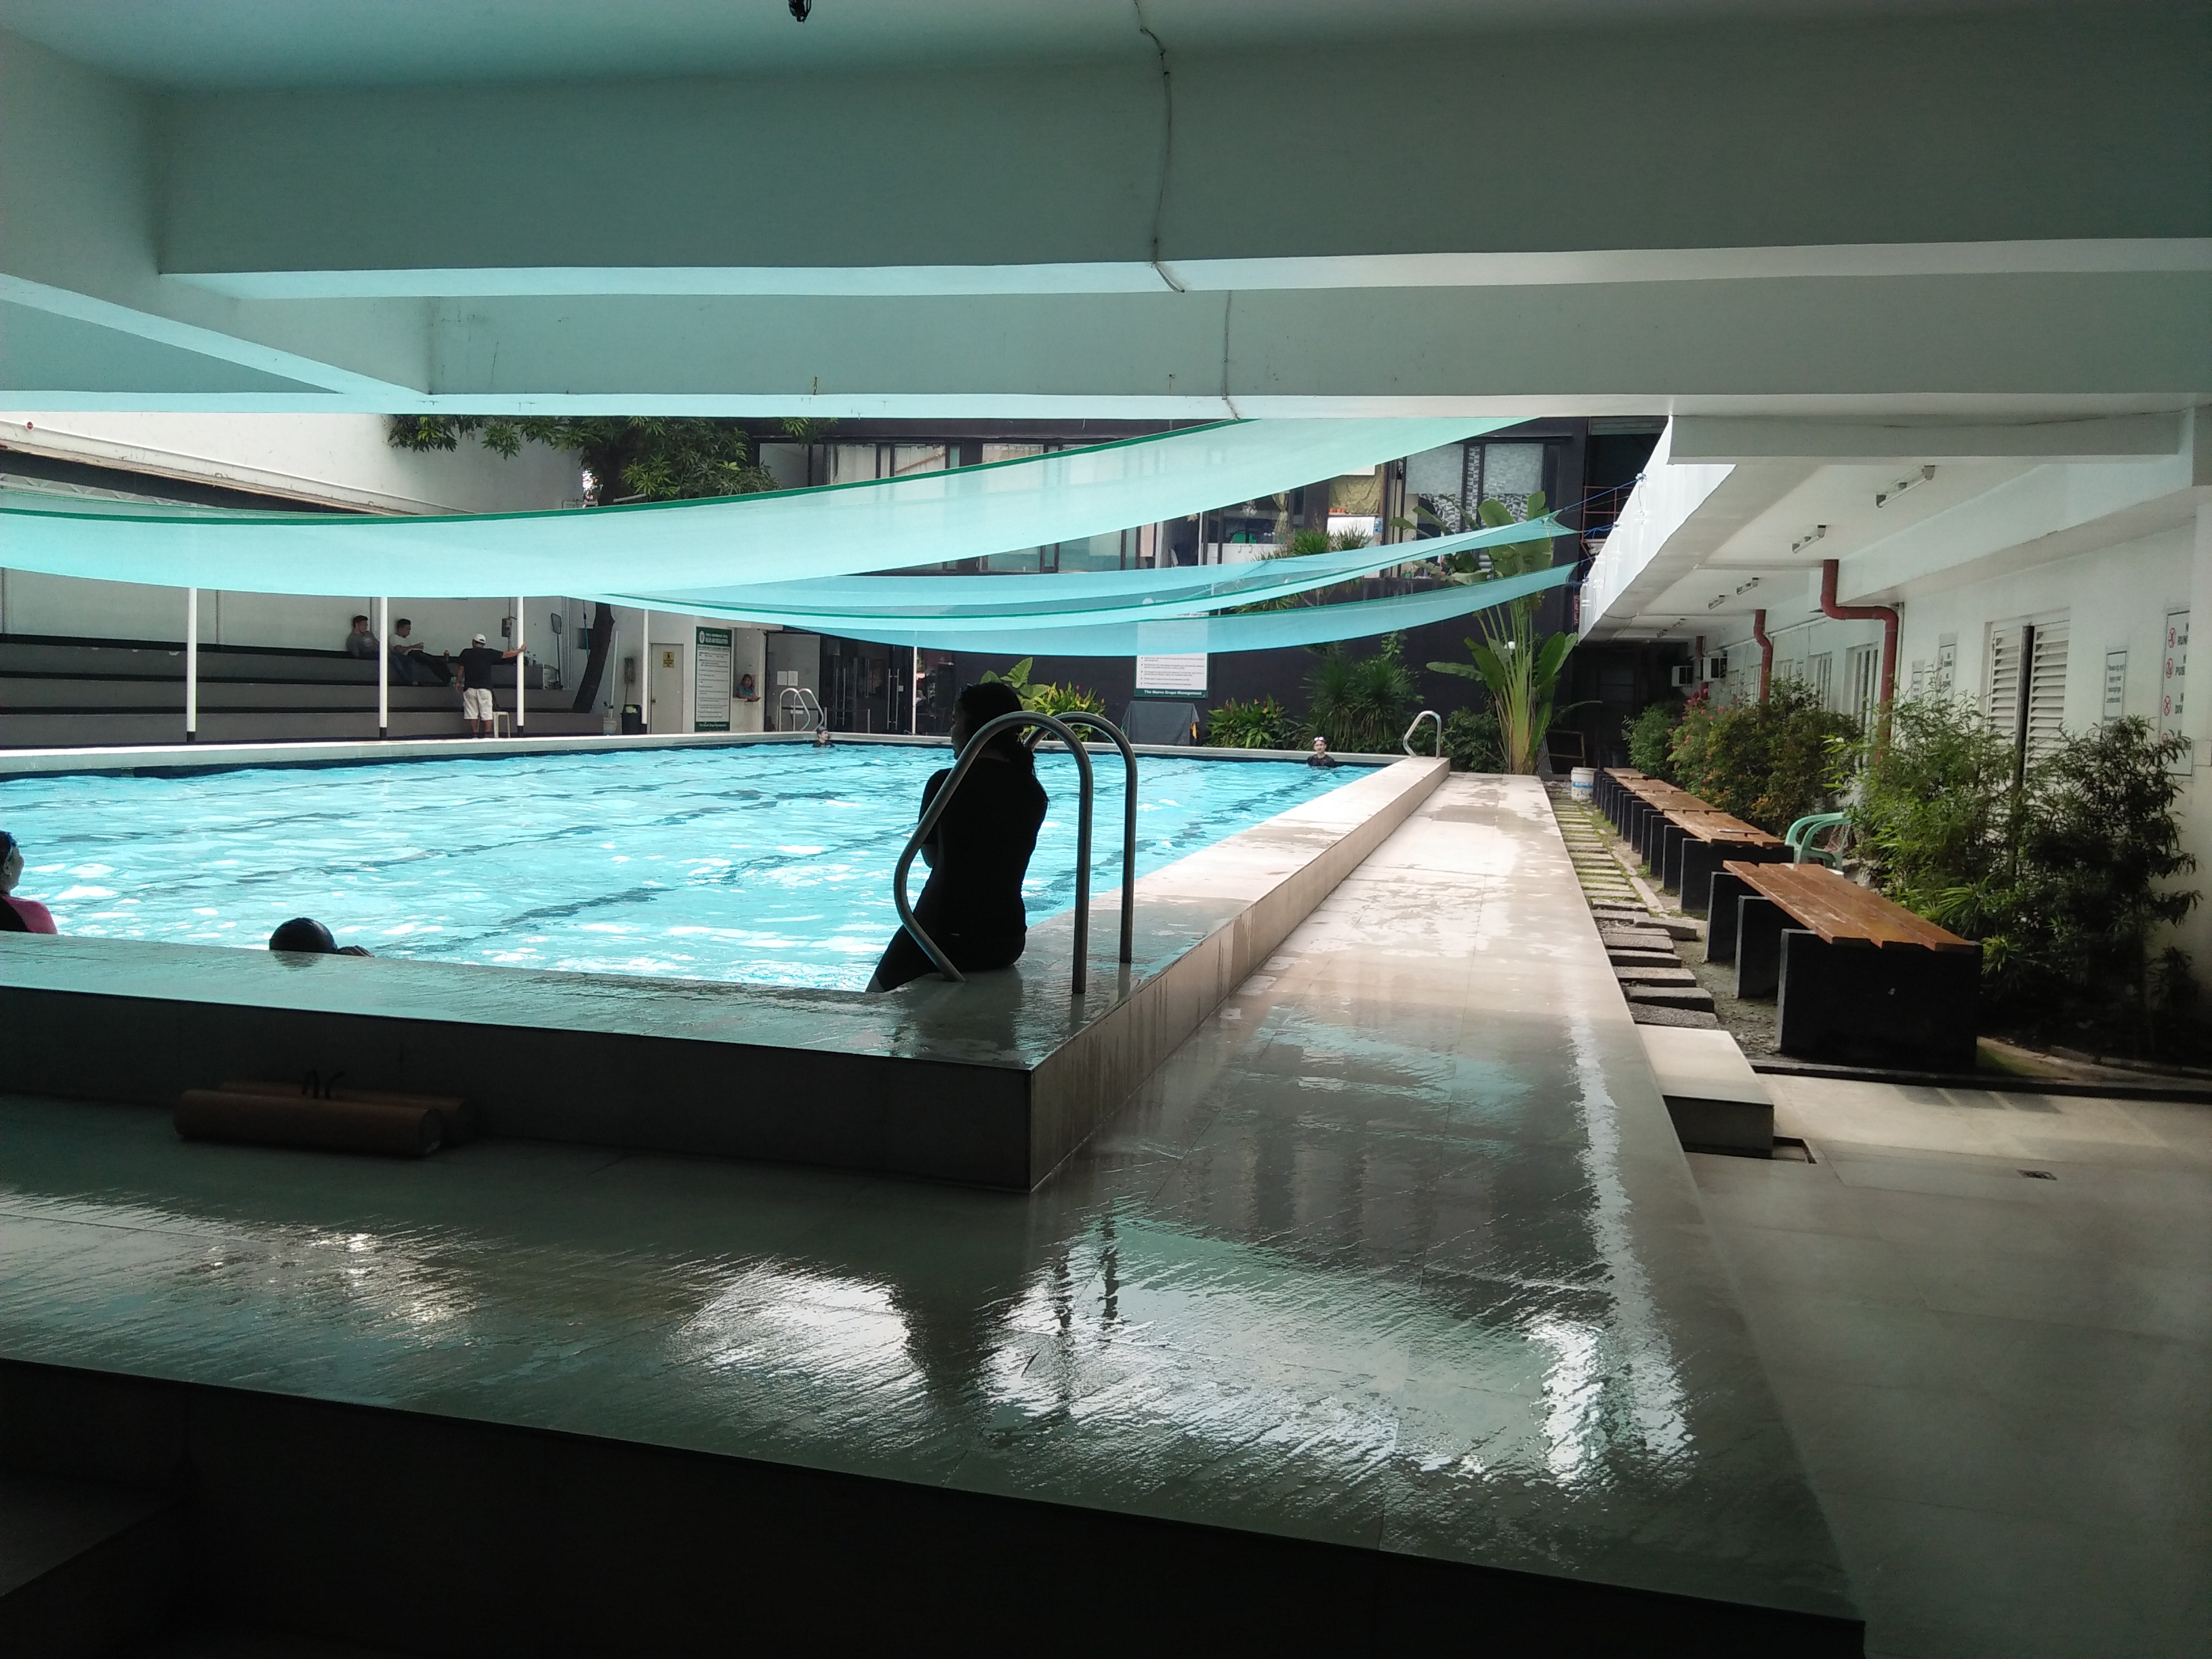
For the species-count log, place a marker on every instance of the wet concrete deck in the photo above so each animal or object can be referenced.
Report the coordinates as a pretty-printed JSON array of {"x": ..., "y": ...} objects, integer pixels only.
[{"x": 1398, "y": 1253}]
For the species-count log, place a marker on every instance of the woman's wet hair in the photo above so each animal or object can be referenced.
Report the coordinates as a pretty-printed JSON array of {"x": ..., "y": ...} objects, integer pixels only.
[
  {"x": 8, "y": 844},
  {"x": 984, "y": 702}
]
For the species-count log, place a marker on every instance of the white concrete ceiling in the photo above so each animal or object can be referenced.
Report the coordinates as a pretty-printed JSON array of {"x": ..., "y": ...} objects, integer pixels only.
[
  {"x": 270, "y": 44},
  {"x": 966, "y": 208},
  {"x": 1975, "y": 502}
]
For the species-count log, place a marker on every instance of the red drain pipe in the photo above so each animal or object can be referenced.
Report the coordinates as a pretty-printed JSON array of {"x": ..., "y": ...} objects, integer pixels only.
[
  {"x": 1881, "y": 613},
  {"x": 1766, "y": 653}
]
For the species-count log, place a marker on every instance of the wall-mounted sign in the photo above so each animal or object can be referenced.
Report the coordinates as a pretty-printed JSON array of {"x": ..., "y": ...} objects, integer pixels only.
[
  {"x": 1171, "y": 655},
  {"x": 2116, "y": 684},
  {"x": 710, "y": 698}
]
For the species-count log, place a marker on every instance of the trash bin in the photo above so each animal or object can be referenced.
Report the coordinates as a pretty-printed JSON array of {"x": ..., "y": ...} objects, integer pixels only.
[
  {"x": 633, "y": 720},
  {"x": 1581, "y": 783}
]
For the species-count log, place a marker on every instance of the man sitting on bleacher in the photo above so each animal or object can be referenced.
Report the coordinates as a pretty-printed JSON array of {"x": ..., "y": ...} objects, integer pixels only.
[
  {"x": 413, "y": 665},
  {"x": 361, "y": 642}
]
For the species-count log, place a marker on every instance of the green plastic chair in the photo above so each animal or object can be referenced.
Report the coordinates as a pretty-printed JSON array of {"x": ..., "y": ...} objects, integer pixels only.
[{"x": 1800, "y": 837}]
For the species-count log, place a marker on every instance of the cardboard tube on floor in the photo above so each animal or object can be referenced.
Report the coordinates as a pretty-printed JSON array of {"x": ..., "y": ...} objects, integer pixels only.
[
  {"x": 338, "y": 1125},
  {"x": 455, "y": 1119}
]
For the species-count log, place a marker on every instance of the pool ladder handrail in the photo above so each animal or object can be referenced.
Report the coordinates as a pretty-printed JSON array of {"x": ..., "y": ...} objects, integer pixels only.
[
  {"x": 811, "y": 710},
  {"x": 1100, "y": 723},
  {"x": 1405, "y": 743},
  {"x": 977, "y": 742}
]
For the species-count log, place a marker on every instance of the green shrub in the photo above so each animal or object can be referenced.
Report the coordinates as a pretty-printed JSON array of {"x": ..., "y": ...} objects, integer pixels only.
[
  {"x": 1262, "y": 723},
  {"x": 1648, "y": 734},
  {"x": 2064, "y": 879},
  {"x": 1047, "y": 698},
  {"x": 1933, "y": 822},
  {"x": 1687, "y": 745},
  {"x": 1766, "y": 762},
  {"x": 2098, "y": 841},
  {"x": 1360, "y": 704},
  {"x": 1471, "y": 740}
]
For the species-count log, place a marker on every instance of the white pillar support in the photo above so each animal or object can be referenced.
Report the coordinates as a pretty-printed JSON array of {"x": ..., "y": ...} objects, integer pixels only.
[
  {"x": 645, "y": 669},
  {"x": 383, "y": 668},
  {"x": 192, "y": 664},
  {"x": 522, "y": 657}
]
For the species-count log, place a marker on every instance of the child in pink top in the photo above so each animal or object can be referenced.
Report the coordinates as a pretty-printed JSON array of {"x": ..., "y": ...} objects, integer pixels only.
[{"x": 18, "y": 915}]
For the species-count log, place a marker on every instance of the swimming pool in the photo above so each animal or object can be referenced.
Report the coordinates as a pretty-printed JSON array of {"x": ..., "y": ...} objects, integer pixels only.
[{"x": 767, "y": 863}]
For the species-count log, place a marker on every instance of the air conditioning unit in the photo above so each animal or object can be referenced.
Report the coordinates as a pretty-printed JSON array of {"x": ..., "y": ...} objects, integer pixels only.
[
  {"x": 1715, "y": 668},
  {"x": 1683, "y": 677}
]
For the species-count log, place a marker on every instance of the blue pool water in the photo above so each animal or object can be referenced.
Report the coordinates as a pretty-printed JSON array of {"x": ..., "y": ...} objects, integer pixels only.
[{"x": 767, "y": 863}]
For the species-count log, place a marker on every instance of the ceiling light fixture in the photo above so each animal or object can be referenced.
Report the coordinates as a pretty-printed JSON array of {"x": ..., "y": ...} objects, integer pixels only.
[
  {"x": 1807, "y": 539},
  {"x": 1910, "y": 481}
]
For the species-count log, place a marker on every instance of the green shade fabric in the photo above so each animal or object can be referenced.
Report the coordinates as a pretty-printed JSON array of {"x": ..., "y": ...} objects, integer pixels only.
[
  {"x": 988, "y": 603},
  {"x": 891, "y": 524},
  {"x": 1214, "y": 635}
]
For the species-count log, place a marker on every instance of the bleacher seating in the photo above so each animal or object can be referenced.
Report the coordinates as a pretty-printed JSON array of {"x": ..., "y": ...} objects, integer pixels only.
[{"x": 73, "y": 693}]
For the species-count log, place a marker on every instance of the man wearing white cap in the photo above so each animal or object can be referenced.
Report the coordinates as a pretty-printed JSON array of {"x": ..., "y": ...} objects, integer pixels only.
[{"x": 476, "y": 667}]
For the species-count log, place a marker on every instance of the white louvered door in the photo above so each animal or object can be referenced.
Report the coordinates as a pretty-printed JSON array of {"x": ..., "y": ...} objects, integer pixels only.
[
  {"x": 2001, "y": 685},
  {"x": 2046, "y": 689}
]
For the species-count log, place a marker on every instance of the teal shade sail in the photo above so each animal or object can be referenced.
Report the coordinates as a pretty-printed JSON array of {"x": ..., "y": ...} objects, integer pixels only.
[
  {"x": 992, "y": 603},
  {"x": 890, "y": 524},
  {"x": 1215, "y": 635}
]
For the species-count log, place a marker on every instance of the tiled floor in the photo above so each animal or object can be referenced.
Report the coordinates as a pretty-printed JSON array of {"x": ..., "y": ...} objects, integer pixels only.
[
  {"x": 2002, "y": 1384},
  {"x": 1398, "y": 1250}
]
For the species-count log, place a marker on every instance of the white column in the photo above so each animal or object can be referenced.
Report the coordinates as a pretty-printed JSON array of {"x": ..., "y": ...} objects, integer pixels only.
[
  {"x": 192, "y": 664},
  {"x": 521, "y": 656},
  {"x": 383, "y": 668},
  {"x": 645, "y": 669}
]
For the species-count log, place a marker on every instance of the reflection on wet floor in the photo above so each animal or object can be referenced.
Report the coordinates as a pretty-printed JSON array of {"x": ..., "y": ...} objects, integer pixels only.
[{"x": 1398, "y": 1250}]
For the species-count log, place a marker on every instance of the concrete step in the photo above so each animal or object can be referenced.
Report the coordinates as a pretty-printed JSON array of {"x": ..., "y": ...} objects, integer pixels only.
[
  {"x": 1643, "y": 959},
  {"x": 1671, "y": 996},
  {"x": 1712, "y": 1094},
  {"x": 1655, "y": 976},
  {"x": 84, "y": 1565},
  {"x": 1651, "y": 1013}
]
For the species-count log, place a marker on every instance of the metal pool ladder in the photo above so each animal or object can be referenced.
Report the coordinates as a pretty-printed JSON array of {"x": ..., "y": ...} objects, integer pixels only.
[
  {"x": 813, "y": 716},
  {"x": 1063, "y": 727},
  {"x": 1405, "y": 743}
]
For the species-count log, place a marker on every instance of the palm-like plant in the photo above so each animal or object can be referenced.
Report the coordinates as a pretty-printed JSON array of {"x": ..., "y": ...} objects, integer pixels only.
[
  {"x": 1359, "y": 704},
  {"x": 1520, "y": 670}
]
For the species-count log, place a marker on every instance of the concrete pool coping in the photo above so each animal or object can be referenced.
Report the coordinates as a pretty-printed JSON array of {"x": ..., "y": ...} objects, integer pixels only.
[
  {"x": 175, "y": 759},
  {"x": 992, "y": 1083}
]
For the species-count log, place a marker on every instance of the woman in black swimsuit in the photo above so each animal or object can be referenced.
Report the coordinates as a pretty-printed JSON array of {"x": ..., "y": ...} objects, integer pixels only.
[{"x": 978, "y": 854}]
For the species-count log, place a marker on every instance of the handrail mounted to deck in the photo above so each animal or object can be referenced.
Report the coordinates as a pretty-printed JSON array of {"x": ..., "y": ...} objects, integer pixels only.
[
  {"x": 1430, "y": 715},
  {"x": 977, "y": 742}
]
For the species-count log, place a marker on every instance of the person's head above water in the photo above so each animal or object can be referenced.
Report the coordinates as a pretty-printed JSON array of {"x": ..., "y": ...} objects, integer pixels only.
[
  {"x": 11, "y": 862},
  {"x": 977, "y": 706},
  {"x": 305, "y": 935}
]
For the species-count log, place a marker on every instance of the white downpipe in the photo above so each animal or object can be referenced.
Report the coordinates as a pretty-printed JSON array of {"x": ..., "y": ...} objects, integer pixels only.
[
  {"x": 383, "y": 668},
  {"x": 520, "y": 658},
  {"x": 192, "y": 664}
]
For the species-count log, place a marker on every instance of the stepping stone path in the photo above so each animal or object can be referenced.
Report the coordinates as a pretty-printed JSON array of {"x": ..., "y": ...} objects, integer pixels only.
[
  {"x": 1651, "y": 1013},
  {"x": 1639, "y": 944}
]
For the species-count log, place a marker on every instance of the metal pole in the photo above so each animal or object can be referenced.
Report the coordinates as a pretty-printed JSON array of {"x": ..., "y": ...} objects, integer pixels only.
[
  {"x": 383, "y": 668},
  {"x": 192, "y": 664},
  {"x": 645, "y": 669},
  {"x": 520, "y": 658}
]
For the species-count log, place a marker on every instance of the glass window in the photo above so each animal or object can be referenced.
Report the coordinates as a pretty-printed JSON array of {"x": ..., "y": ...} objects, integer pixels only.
[{"x": 908, "y": 458}]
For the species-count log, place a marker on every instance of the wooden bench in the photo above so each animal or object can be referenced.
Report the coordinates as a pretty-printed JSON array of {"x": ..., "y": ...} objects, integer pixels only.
[
  {"x": 1692, "y": 846},
  {"x": 1858, "y": 978},
  {"x": 1681, "y": 838}
]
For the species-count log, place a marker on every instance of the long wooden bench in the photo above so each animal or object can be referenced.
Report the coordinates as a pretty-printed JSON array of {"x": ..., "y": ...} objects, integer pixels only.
[
  {"x": 1681, "y": 838},
  {"x": 1858, "y": 978}
]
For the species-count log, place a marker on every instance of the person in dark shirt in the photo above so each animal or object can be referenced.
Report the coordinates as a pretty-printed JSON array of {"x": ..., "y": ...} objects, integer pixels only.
[
  {"x": 477, "y": 666},
  {"x": 18, "y": 915},
  {"x": 361, "y": 642},
  {"x": 978, "y": 854}
]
